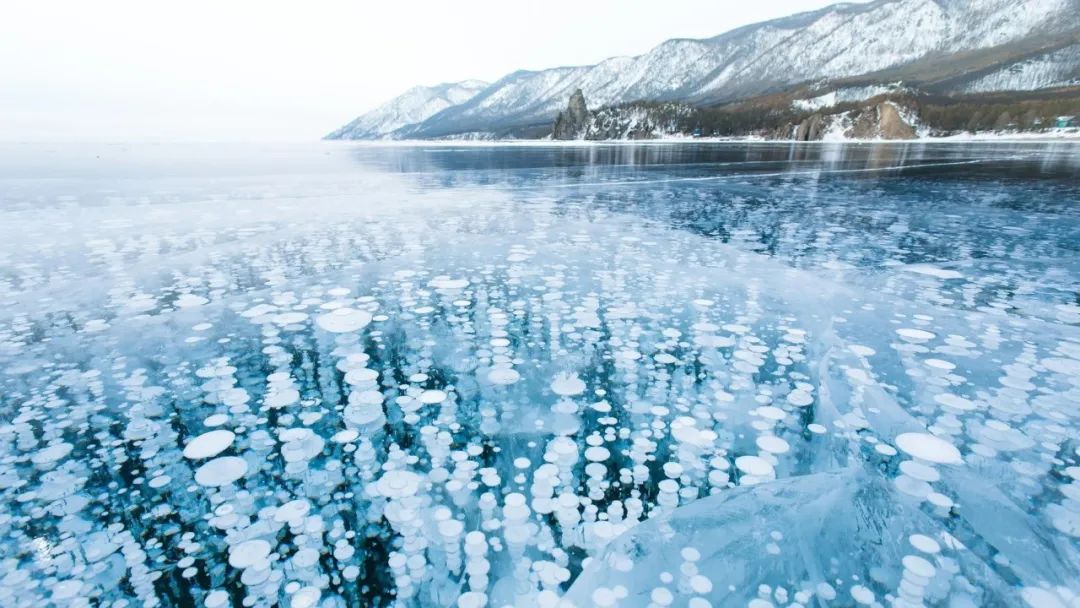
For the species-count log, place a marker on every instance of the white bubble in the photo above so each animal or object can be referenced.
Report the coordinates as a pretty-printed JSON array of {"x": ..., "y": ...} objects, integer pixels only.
[
  {"x": 862, "y": 595},
  {"x": 343, "y": 320},
  {"x": 915, "y": 335},
  {"x": 1061, "y": 365},
  {"x": 955, "y": 402},
  {"x": 65, "y": 590},
  {"x": 248, "y": 553},
  {"x": 940, "y": 364},
  {"x": 216, "y": 420},
  {"x": 772, "y": 444},
  {"x": 567, "y": 385},
  {"x": 862, "y": 351},
  {"x": 346, "y": 436},
  {"x": 503, "y": 376},
  {"x": 189, "y": 300},
  {"x": 447, "y": 283},
  {"x": 472, "y": 599},
  {"x": 770, "y": 412},
  {"x": 918, "y": 566},
  {"x": 210, "y": 443},
  {"x": 432, "y": 396},
  {"x": 924, "y": 543},
  {"x": 292, "y": 511},
  {"x": 221, "y": 471},
  {"x": 700, "y": 584},
  {"x": 754, "y": 465},
  {"x": 799, "y": 398},
  {"x": 929, "y": 448},
  {"x": 306, "y": 597},
  {"x": 604, "y": 597},
  {"x": 216, "y": 599},
  {"x": 398, "y": 484}
]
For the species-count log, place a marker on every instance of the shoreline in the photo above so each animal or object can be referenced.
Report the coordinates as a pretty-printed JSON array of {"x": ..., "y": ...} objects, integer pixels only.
[{"x": 1071, "y": 137}]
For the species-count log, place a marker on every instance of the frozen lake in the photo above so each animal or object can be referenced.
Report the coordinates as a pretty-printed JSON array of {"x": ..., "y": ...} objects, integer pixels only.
[{"x": 635, "y": 375}]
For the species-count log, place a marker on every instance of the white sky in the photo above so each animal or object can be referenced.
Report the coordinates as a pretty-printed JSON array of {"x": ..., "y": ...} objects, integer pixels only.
[{"x": 270, "y": 70}]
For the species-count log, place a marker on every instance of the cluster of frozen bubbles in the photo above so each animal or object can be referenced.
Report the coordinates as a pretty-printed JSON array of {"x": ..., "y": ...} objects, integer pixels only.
[{"x": 382, "y": 413}]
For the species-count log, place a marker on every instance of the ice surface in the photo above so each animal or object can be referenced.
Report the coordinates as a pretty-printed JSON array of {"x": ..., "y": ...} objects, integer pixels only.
[
  {"x": 599, "y": 376},
  {"x": 842, "y": 533}
]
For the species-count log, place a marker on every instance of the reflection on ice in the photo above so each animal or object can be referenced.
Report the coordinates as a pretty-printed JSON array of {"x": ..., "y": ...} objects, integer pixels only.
[{"x": 459, "y": 385}]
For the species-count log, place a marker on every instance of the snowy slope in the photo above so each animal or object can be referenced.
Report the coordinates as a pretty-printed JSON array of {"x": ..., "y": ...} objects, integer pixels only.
[
  {"x": 846, "y": 40},
  {"x": 845, "y": 94},
  {"x": 412, "y": 107},
  {"x": 1056, "y": 69},
  {"x": 842, "y": 40}
]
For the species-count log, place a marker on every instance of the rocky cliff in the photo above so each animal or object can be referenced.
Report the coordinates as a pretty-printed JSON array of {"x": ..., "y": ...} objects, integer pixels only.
[
  {"x": 573, "y": 123},
  {"x": 626, "y": 121},
  {"x": 884, "y": 120}
]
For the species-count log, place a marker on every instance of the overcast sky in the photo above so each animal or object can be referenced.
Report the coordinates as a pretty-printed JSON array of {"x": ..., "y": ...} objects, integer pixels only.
[{"x": 269, "y": 70}]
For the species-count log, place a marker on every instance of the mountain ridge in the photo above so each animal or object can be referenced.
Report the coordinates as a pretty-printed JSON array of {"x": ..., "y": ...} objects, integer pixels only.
[
  {"x": 840, "y": 41},
  {"x": 411, "y": 107}
]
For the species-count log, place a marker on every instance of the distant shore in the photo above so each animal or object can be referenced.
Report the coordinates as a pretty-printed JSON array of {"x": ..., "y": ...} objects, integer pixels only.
[{"x": 1066, "y": 136}]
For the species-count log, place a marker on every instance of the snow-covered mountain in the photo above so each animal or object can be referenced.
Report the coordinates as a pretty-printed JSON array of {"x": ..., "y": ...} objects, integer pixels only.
[
  {"x": 837, "y": 42},
  {"x": 410, "y": 108}
]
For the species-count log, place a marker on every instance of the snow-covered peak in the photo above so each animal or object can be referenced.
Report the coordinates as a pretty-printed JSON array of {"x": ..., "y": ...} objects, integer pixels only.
[{"x": 411, "y": 107}]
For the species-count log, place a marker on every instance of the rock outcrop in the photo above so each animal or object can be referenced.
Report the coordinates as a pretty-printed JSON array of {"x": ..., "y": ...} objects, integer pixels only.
[
  {"x": 883, "y": 120},
  {"x": 573, "y": 123},
  {"x": 811, "y": 129},
  {"x": 631, "y": 121}
]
